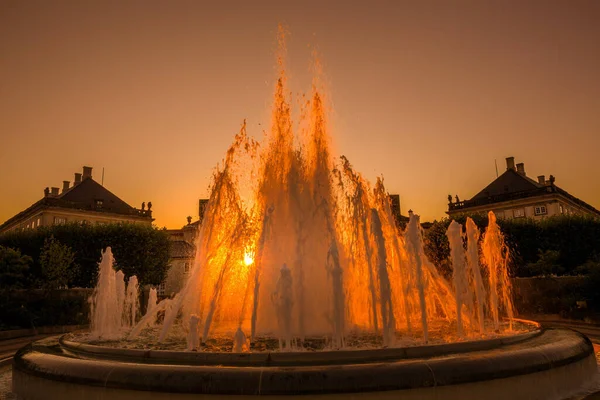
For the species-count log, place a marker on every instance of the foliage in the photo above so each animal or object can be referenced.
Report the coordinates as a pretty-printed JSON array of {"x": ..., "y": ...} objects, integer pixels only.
[
  {"x": 556, "y": 245},
  {"x": 139, "y": 250},
  {"x": 591, "y": 270},
  {"x": 437, "y": 248},
  {"x": 56, "y": 262},
  {"x": 547, "y": 264},
  {"x": 13, "y": 268},
  {"x": 34, "y": 308}
]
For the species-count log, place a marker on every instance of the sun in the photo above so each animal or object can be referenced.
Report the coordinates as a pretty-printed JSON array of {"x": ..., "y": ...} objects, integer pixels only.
[{"x": 248, "y": 258}]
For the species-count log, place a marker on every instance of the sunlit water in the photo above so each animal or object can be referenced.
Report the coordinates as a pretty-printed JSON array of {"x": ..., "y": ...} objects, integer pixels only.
[{"x": 296, "y": 245}]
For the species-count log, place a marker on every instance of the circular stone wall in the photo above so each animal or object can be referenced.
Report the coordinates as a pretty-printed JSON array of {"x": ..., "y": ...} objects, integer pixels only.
[{"x": 544, "y": 364}]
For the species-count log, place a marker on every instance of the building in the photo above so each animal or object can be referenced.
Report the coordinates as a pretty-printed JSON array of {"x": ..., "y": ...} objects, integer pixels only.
[
  {"x": 400, "y": 219},
  {"x": 181, "y": 254},
  {"x": 181, "y": 259},
  {"x": 86, "y": 201},
  {"x": 514, "y": 195}
]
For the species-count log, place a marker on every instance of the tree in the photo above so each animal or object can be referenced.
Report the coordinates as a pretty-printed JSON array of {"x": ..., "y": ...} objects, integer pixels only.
[
  {"x": 437, "y": 248},
  {"x": 547, "y": 264},
  {"x": 56, "y": 261},
  {"x": 139, "y": 250},
  {"x": 13, "y": 268}
]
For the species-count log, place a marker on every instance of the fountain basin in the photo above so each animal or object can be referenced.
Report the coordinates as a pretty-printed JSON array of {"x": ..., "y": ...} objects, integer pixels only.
[{"x": 550, "y": 363}]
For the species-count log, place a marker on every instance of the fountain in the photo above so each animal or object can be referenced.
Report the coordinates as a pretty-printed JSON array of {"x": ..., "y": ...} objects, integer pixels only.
[{"x": 304, "y": 284}]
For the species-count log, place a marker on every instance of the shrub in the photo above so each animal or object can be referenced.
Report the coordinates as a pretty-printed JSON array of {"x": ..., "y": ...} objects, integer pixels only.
[
  {"x": 547, "y": 264},
  {"x": 34, "y": 308},
  {"x": 566, "y": 242},
  {"x": 13, "y": 268},
  {"x": 139, "y": 250},
  {"x": 56, "y": 262}
]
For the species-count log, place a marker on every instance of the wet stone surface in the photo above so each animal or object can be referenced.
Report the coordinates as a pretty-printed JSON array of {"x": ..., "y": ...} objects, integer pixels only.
[{"x": 223, "y": 342}]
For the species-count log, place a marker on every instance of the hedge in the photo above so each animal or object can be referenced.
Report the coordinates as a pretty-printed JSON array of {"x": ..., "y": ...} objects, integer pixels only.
[
  {"x": 573, "y": 239},
  {"x": 139, "y": 250}
]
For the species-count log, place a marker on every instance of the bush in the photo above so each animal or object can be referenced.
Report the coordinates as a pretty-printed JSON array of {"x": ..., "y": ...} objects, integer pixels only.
[
  {"x": 34, "y": 308},
  {"x": 556, "y": 245},
  {"x": 437, "y": 248},
  {"x": 13, "y": 268},
  {"x": 547, "y": 264},
  {"x": 56, "y": 262},
  {"x": 138, "y": 249}
]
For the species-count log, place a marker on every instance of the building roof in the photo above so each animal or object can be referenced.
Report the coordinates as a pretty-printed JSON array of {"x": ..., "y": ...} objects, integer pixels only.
[
  {"x": 513, "y": 185},
  {"x": 510, "y": 181},
  {"x": 83, "y": 196}
]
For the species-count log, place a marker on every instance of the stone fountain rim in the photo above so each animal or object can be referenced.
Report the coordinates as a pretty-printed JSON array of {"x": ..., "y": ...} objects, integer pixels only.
[
  {"x": 314, "y": 358},
  {"x": 553, "y": 348}
]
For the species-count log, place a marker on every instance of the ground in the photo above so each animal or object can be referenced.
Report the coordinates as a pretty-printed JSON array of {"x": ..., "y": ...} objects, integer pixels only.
[
  {"x": 5, "y": 381},
  {"x": 7, "y": 350}
]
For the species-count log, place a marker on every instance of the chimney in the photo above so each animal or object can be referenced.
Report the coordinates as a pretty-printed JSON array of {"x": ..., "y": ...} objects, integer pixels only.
[
  {"x": 202, "y": 203},
  {"x": 510, "y": 163},
  {"x": 87, "y": 172},
  {"x": 395, "y": 207},
  {"x": 77, "y": 179},
  {"x": 542, "y": 179},
  {"x": 395, "y": 203},
  {"x": 47, "y": 192},
  {"x": 54, "y": 191},
  {"x": 521, "y": 168},
  {"x": 65, "y": 186}
]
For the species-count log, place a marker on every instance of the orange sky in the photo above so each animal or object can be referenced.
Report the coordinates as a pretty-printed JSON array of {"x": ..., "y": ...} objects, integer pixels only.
[{"x": 426, "y": 93}]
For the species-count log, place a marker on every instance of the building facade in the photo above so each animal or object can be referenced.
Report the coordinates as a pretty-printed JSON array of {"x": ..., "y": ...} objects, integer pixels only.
[
  {"x": 181, "y": 258},
  {"x": 515, "y": 195},
  {"x": 86, "y": 201},
  {"x": 182, "y": 253}
]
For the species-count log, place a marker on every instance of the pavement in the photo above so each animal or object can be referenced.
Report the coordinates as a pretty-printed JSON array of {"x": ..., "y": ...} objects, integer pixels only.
[
  {"x": 8, "y": 348},
  {"x": 5, "y": 382}
]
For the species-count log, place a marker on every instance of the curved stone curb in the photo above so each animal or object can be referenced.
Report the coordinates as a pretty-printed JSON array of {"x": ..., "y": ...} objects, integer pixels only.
[{"x": 550, "y": 349}]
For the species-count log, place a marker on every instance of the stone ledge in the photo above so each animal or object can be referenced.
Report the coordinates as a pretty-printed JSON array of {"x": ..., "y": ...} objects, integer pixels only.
[{"x": 552, "y": 348}]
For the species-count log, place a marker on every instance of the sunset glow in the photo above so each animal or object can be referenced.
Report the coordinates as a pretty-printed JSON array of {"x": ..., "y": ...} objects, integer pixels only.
[
  {"x": 426, "y": 96},
  {"x": 248, "y": 259}
]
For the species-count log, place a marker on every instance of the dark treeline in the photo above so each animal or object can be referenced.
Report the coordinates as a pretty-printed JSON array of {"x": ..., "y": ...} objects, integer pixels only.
[
  {"x": 67, "y": 256},
  {"x": 561, "y": 245}
]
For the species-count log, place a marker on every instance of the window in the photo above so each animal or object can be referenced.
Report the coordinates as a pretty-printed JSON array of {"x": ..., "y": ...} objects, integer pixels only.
[
  {"x": 39, "y": 220},
  {"x": 99, "y": 203},
  {"x": 186, "y": 267},
  {"x": 540, "y": 210},
  {"x": 161, "y": 289},
  {"x": 561, "y": 209},
  {"x": 60, "y": 220},
  {"x": 519, "y": 213}
]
